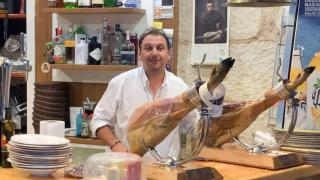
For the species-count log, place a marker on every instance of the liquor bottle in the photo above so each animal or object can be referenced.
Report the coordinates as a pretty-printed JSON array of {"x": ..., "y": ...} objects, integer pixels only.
[
  {"x": 58, "y": 47},
  {"x": 106, "y": 44},
  {"x": 70, "y": 3},
  {"x": 69, "y": 44},
  {"x": 7, "y": 129},
  {"x": 127, "y": 51},
  {"x": 84, "y": 3},
  {"x": 117, "y": 44},
  {"x": 97, "y": 3},
  {"x": 94, "y": 52},
  {"x": 108, "y": 3},
  {"x": 134, "y": 40}
]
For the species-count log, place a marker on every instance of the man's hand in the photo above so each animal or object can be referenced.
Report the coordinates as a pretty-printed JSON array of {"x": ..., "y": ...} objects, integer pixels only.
[
  {"x": 119, "y": 147},
  {"x": 210, "y": 37}
]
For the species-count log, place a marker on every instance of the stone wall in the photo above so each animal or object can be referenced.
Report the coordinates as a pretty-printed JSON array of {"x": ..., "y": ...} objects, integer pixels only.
[{"x": 253, "y": 36}]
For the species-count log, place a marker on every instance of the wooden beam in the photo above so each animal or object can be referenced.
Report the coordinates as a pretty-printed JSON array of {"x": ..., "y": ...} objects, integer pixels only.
[{"x": 42, "y": 35}]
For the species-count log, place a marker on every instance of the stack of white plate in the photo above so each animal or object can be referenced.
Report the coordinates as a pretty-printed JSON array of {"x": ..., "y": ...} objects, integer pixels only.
[
  {"x": 39, "y": 154},
  {"x": 303, "y": 142}
]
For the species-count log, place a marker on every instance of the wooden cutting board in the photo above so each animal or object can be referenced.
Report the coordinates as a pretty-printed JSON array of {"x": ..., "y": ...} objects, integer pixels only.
[{"x": 273, "y": 160}]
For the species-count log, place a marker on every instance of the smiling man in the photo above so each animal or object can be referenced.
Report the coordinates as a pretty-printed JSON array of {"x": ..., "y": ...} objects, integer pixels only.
[{"x": 132, "y": 89}]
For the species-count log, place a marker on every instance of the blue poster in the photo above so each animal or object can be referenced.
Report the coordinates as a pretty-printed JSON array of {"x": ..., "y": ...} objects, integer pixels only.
[{"x": 305, "y": 52}]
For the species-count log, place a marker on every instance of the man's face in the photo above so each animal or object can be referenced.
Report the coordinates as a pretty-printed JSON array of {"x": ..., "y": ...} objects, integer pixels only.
[
  {"x": 154, "y": 53},
  {"x": 210, "y": 7}
]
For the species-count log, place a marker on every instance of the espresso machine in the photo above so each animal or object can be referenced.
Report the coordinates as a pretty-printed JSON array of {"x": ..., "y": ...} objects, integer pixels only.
[{"x": 22, "y": 64}]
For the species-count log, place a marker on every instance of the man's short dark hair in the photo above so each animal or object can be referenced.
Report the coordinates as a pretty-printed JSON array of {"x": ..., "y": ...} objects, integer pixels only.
[
  {"x": 209, "y": 1},
  {"x": 156, "y": 32}
]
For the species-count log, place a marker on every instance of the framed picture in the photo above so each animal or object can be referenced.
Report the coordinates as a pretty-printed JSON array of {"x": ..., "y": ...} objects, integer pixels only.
[{"x": 210, "y": 31}]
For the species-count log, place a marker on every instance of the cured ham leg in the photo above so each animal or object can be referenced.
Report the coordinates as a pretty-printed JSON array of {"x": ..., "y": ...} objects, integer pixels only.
[
  {"x": 152, "y": 123},
  {"x": 237, "y": 119}
]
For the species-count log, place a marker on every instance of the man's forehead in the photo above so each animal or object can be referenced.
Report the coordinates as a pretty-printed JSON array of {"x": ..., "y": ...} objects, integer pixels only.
[{"x": 154, "y": 39}]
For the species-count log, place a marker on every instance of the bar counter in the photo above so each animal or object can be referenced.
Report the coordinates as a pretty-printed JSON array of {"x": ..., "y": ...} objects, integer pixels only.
[{"x": 228, "y": 171}]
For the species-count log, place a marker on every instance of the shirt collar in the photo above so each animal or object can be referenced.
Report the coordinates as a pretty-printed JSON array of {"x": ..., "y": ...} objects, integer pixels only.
[{"x": 145, "y": 80}]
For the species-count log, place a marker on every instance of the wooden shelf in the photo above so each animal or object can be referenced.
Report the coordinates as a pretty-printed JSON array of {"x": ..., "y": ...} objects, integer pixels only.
[
  {"x": 80, "y": 67},
  {"x": 90, "y": 141},
  {"x": 13, "y": 16},
  {"x": 18, "y": 74},
  {"x": 94, "y": 10}
]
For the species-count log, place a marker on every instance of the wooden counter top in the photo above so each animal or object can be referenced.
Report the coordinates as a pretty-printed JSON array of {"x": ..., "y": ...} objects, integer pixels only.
[{"x": 228, "y": 171}]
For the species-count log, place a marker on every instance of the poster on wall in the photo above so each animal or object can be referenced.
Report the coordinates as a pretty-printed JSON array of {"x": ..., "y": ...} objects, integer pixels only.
[
  {"x": 306, "y": 52},
  {"x": 210, "y": 31}
]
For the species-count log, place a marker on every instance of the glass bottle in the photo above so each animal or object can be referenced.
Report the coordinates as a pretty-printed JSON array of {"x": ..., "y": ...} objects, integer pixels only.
[
  {"x": 70, "y": 3},
  {"x": 58, "y": 47},
  {"x": 8, "y": 131},
  {"x": 97, "y": 3},
  {"x": 69, "y": 44},
  {"x": 79, "y": 122},
  {"x": 84, "y": 3},
  {"x": 106, "y": 44},
  {"x": 108, "y": 3},
  {"x": 88, "y": 108},
  {"x": 134, "y": 40},
  {"x": 94, "y": 52},
  {"x": 117, "y": 44},
  {"x": 127, "y": 51}
]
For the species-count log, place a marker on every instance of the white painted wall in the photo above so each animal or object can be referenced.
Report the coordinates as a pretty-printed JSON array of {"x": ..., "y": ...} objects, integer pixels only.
[{"x": 31, "y": 56}]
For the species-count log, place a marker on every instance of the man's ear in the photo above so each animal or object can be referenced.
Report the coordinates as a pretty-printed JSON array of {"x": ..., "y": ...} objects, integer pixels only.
[{"x": 170, "y": 53}]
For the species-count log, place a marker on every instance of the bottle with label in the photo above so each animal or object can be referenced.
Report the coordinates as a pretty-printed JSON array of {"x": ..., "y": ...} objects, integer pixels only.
[
  {"x": 127, "y": 51},
  {"x": 58, "y": 47},
  {"x": 7, "y": 129},
  {"x": 94, "y": 52},
  {"x": 81, "y": 52},
  {"x": 69, "y": 44},
  {"x": 84, "y": 3},
  {"x": 70, "y": 3},
  {"x": 106, "y": 44},
  {"x": 117, "y": 45},
  {"x": 97, "y": 3}
]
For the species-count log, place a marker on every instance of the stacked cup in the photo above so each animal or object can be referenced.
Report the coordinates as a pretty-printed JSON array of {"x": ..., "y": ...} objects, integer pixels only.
[{"x": 50, "y": 103}]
